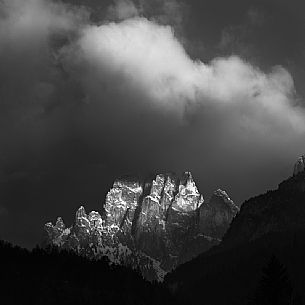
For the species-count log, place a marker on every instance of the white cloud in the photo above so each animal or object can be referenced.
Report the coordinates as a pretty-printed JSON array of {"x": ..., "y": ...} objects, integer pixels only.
[
  {"x": 28, "y": 20},
  {"x": 147, "y": 57},
  {"x": 128, "y": 92}
]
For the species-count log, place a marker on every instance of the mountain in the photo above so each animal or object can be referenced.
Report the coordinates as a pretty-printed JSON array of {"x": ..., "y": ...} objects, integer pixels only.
[
  {"x": 271, "y": 224},
  {"x": 151, "y": 225},
  {"x": 279, "y": 210}
]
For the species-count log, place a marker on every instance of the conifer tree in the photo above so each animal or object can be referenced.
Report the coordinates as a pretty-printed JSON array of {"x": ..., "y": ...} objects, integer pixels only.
[{"x": 274, "y": 287}]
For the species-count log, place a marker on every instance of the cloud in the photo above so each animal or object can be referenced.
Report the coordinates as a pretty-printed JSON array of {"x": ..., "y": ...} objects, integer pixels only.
[
  {"x": 122, "y": 9},
  {"x": 36, "y": 19},
  {"x": 147, "y": 58},
  {"x": 31, "y": 33},
  {"x": 91, "y": 78},
  {"x": 83, "y": 102},
  {"x": 189, "y": 113}
]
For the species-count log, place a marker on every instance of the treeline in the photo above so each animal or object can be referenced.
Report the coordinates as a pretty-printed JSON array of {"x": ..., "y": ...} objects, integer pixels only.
[{"x": 49, "y": 276}]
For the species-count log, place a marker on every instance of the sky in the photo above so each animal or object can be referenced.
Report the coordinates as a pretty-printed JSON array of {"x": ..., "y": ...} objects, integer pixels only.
[{"x": 91, "y": 90}]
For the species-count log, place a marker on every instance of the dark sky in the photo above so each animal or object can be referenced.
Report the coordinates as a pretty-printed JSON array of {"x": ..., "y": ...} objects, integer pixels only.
[{"x": 92, "y": 90}]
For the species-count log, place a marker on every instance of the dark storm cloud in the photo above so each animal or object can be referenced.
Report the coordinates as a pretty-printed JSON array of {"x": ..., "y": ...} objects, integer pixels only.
[{"x": 84, "y": 100}]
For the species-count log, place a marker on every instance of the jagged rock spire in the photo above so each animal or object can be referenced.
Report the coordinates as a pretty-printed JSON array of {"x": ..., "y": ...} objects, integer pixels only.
[
  {"x": 299, "y": 166},
  {"x": 81, "y": 212},
  {"x": 188, "y": 197},
  {"x": 158, "y": 223},
  {"x": 81, "y": 219},
  {"x": 60, "y": 223}
]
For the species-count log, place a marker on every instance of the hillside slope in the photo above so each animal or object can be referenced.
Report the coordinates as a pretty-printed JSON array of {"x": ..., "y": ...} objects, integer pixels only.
[{"x": 269, "y": 224}]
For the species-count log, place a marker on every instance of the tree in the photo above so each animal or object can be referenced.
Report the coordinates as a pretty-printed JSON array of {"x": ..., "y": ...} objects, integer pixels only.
[{"x": 274, "y": 287}]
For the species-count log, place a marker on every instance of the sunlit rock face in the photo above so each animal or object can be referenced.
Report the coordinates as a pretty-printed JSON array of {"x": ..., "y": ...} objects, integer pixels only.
[
  {"x": 121, "y": 203},
  {"x": 149, "y": 225},
  {"x": 188, "y": 197},
  {"x": 57, "y": 233}
]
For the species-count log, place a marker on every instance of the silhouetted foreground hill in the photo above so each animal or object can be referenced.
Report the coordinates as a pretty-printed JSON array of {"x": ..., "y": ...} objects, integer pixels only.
[
  {"x": 267, "y": 225},
  {"x": 232, "y": 276},
  {"x": 52, "y": 277}
]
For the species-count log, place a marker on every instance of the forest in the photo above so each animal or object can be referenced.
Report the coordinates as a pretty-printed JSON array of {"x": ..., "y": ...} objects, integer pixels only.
[{"x": 49, "y": 276}]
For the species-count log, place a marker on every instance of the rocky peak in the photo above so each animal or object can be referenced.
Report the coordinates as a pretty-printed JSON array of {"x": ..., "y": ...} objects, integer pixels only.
[
  {"x": 157, "y": 186},
  {"x": 221, "y": 198},
  {"x": 95, "y": 220},
  {"x": 151, "y": 226},
  {"x": 188, "y": 197},
  {"x": 217, "y": 214},
  {"x": 296, "y": 182},
  {"x": 80, "y": 213},
  {"x": 58, "y": 232},
  {"x": 81, "y": 217},
  {"x": 299, "y": 166},
  {"x": 186, "y": 178},
  {"x": 60, "y": 224},
  {"x": 121, "y": 203}
]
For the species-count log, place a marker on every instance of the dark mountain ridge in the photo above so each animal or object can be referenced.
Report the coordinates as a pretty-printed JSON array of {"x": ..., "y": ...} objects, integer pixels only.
[{"x": 269, "y": 224}]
